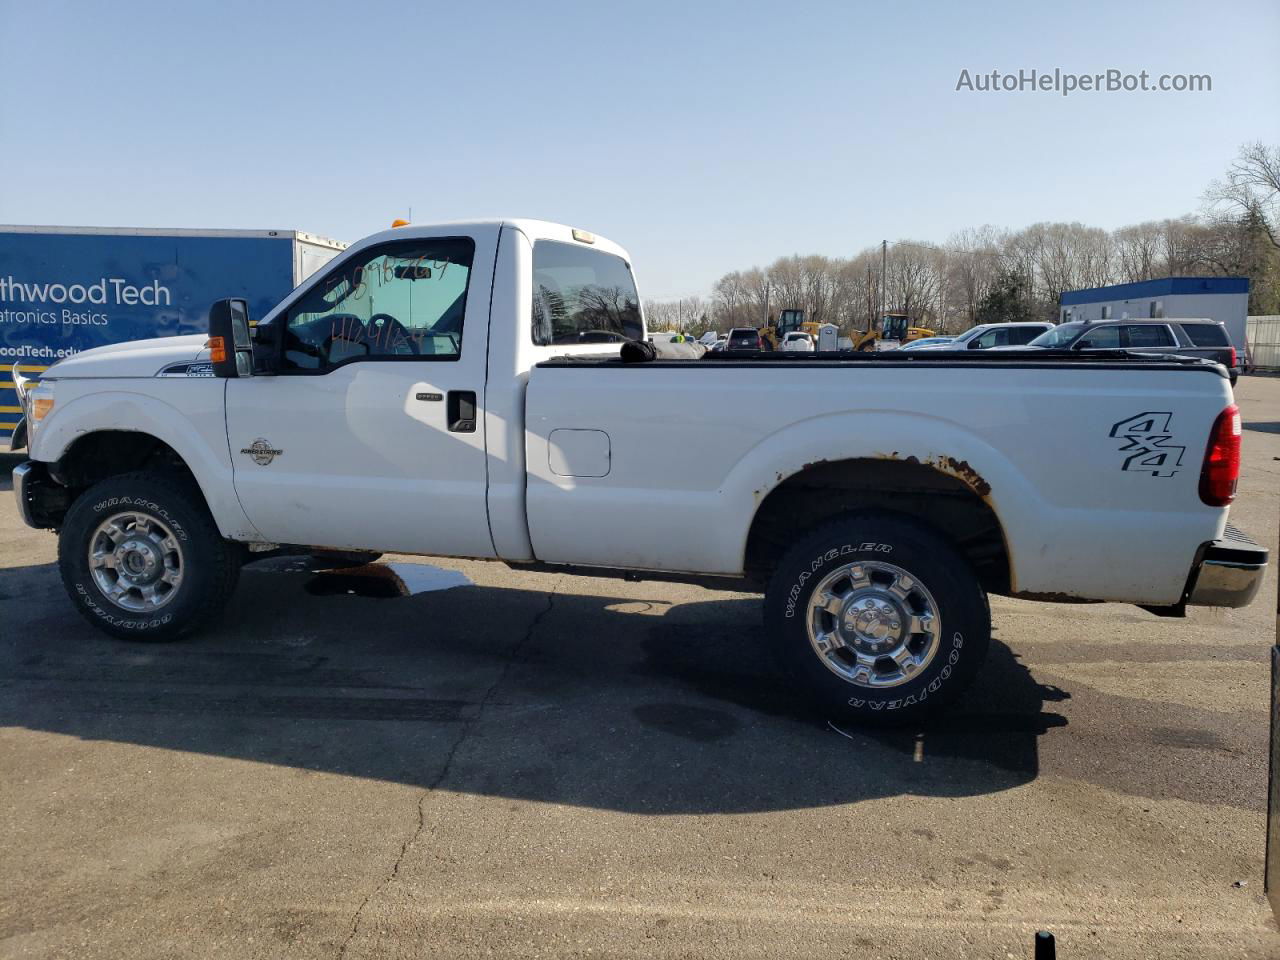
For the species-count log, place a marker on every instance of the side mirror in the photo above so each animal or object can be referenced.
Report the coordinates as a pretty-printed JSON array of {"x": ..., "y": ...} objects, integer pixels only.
[
  {"x": 975, "y": 344},
  {"x": 1084, "y": 343},
  {"x": 230, "y": 346}
]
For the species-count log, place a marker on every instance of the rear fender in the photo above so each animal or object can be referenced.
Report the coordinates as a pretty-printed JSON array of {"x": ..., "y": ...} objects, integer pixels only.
[{"x": 945, "y": 446}]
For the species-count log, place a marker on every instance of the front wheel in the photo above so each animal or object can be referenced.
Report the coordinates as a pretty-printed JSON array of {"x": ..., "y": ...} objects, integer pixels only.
[
  {"x": 142, "y": 558},
  {"x": 878, "y": 618}
]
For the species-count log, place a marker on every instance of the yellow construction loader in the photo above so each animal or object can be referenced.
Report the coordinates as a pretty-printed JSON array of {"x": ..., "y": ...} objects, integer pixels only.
[
  {"x": 894, "y": 328},
  {"x": 788, "y": 321}
]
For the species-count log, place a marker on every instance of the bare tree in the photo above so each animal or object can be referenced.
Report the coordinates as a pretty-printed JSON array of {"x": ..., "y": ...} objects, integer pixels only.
[
  {"x": 914, "y": 280},
  {"x": 972, "y": 267},
  {"x": 1138, "y": 251},
  {"x": 1251, "y": 186},
  {"x": 945, "y": 286},
  {"x": 785, "y": 277}
]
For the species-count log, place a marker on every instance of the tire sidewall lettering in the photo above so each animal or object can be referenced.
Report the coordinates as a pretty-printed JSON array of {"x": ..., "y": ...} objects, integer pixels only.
[
  {"x": 818, "y": 562},
  {"x": 150, "y": 506},
  {"x": 124, "y": 623},
  {"x": 919, "y": 697}
]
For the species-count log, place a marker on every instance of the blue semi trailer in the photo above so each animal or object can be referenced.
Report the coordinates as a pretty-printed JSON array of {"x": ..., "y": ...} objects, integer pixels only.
[{"x": 66, "y": 289}]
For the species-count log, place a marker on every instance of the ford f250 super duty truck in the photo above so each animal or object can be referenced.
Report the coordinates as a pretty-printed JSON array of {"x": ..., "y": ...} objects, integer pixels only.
[{"x": 452, "y": 391}]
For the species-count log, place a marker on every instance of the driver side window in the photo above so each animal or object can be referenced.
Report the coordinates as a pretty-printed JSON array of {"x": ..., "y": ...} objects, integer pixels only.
[
  {"x": 998, "y": 337},
  {"x": 401, "y": 300}
]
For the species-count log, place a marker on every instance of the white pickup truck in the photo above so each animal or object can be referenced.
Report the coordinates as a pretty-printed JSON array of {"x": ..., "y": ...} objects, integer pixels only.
[{"x": 466, "y": 390}]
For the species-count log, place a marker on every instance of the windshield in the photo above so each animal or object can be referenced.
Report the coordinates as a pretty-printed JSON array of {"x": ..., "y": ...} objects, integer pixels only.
[
  {"x": 969, "y": 334},
  {"x": 1059, "y": 336},
  {"x": 788, "y": 320},
  {"x": 894, "y": 328}
]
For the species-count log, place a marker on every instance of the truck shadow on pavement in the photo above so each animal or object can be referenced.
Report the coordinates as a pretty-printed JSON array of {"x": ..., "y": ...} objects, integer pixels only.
[
  {"x": 7, "y": 462},
  {"x": 1263, "y": 426},
  {"x": 591, "y": 700}
]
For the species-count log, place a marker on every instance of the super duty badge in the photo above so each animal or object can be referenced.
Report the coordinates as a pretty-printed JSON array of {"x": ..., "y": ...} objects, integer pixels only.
[{"x": 262, "y": 452}]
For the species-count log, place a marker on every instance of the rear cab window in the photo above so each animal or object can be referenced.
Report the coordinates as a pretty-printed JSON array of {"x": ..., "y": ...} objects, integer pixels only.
[
  {"x": 1206, "y": 334},
  {"x": 581, "y": 295}
]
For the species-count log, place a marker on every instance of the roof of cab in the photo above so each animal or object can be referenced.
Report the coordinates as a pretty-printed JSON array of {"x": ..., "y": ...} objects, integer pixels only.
[{"x": 532, "y": 228}]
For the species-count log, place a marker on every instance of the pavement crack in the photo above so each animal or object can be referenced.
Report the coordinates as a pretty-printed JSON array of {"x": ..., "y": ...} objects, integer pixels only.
[{"x": 512, "y": 656}]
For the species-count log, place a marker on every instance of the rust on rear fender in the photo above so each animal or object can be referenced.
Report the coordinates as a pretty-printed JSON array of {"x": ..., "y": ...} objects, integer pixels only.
[{"x": 961, "y": 470}]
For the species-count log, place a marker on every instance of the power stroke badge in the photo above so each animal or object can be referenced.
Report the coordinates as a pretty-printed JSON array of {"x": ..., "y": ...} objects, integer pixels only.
[
  {"x": 1147, "y": 444},
  {"x": 262, "y": 452}
]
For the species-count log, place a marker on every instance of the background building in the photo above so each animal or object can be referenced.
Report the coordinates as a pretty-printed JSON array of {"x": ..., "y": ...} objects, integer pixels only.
[{"x": 1225, "y": 299}]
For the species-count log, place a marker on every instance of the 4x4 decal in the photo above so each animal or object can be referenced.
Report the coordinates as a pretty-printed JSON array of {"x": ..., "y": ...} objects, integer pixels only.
[{"x": 1147, "y": 445}]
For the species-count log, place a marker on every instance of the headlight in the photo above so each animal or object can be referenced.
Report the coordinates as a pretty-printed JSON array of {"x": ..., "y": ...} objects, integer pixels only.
[{"x": 39, "y": 401}]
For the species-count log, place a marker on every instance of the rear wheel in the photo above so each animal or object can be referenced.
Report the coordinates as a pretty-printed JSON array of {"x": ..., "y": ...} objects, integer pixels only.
[
  {"x": 878, "y": 618},
  {"x": 142, "y": 559}
]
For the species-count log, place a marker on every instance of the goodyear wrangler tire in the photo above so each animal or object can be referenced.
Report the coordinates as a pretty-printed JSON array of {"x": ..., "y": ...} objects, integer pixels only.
[
  {"x": 142, "y": 558},
  {"x": 877, "y": 618}
]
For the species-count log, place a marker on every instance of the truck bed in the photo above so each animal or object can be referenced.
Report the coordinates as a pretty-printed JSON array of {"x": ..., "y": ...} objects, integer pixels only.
[{"x": 687, "y": 451}]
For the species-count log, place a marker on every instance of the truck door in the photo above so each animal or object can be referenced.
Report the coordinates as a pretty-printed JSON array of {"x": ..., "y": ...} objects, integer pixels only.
[{"x": 371, "y": 435}]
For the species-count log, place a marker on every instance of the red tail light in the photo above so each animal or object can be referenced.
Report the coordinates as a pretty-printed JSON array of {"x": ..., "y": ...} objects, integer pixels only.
[
  {"x": 1221, "y": 467},
  {"x": 1233, "y": 357}
]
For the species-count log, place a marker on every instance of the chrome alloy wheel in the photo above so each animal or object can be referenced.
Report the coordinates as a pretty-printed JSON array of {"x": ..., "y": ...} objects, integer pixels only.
[
  {"x": 136, "y": 561},
  {"x": 873, "y": 624}
]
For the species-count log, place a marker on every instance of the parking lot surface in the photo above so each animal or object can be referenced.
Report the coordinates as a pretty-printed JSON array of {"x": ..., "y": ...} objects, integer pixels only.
[{"x": 547, "y": 765}]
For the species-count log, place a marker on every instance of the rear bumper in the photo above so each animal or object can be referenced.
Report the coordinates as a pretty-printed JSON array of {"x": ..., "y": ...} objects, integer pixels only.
[{"x": 1230, "y": 572}]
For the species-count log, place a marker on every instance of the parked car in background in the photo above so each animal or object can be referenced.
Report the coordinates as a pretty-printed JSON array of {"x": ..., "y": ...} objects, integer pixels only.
[
  {"x": 1188, "y": 337},
  {"x": 744, "y": 338},
  {"x": 926, "y": 342},
  {"x": 986, "y": 336},
  {"x": 797, "y": 342},
  {"x": 718, "y": 345}
]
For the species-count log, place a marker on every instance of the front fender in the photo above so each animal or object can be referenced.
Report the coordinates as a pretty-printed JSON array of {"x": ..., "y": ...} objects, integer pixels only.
[{"x": 197, "y": 433}]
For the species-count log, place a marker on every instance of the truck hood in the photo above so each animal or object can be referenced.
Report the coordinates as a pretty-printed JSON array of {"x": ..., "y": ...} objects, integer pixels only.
[{"x": 137, "y": 358}]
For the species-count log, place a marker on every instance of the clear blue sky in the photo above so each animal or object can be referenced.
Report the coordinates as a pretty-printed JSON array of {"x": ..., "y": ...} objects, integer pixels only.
[{"x": 703, "y": 137}]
